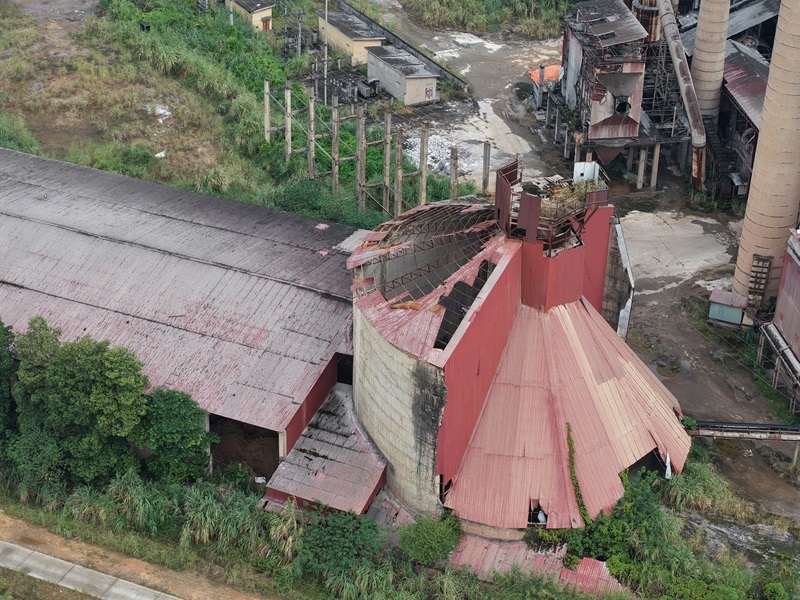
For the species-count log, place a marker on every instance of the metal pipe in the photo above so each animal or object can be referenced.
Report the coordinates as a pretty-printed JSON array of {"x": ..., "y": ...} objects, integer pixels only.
[
  {"x": 688, "y": 94},
  {"x": 772, "y": 205}
]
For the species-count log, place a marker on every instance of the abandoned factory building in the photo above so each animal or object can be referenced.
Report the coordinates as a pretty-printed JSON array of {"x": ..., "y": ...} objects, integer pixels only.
[{"x": 245, "y": 308}]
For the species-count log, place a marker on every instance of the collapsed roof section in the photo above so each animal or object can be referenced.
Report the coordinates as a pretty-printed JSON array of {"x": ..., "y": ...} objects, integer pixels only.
[{"x": 416, "y": 277}]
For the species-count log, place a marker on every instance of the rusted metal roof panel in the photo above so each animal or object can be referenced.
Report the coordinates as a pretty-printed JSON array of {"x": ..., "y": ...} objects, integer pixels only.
[
  {"x": 187, "y": 286},
  {"x": 564, "y": 366},
  {"x": 486, "y": 557},
  {"x": 746, "y": 73},
  {"x": 333, "y": 462},
  {"x": 282, "y": 246},
  {"x": 742, "y": 17},
  {"x": 610, "y": 22}
]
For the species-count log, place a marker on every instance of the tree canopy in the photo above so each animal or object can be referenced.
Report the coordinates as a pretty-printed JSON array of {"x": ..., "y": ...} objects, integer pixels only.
[{"x": 79, "y": 413}]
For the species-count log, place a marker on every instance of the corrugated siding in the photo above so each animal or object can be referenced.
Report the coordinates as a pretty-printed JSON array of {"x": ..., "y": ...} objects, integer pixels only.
[
  {"x": 563, "y": 366},
  {"x": 216, "y": 298},
  {"x": 787, "y": 311},
  {"x": 746, "y": 73},
  {"x": 486, "y": 557},
  {"x": 472, "y": 358}
]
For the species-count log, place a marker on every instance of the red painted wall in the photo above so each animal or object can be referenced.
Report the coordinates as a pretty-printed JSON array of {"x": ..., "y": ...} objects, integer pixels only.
[
  {"x": 787, "y": 311},
  {"x": 311, "y": 404},
  {"x": 470, "y": 368},
  {"x": 548, "y": 281},
  {"x": 596, "y": 237},
  {"x": 572, "y": 273}
]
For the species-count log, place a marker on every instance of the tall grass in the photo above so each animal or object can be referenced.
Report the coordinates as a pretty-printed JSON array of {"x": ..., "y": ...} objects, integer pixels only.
[
  {"x": 15, "y": 135},
  {"x": 538, "y": 20},
  {"x": 700, "y": 487}
]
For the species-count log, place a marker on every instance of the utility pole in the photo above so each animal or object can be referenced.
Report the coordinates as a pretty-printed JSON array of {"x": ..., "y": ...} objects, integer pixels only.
[
  {"x": 325, "y": 60},
  {"x": 453, "y": 172},
  {"x": 335, "y": 146},
  {"x": 387, "y": 162},
  {"x": 423, "y": 165},
  {"x": 398, "y": 172}
]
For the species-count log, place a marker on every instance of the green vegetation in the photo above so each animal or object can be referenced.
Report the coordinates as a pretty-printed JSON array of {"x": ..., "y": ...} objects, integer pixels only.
[
  {"x": 574, "y": 477},
  {"x": 428, "y": 541},
  {"x": 646, "y": 547},
  {"x": 180, "y": 103},
  {"x": 18, "y": 586},
  {"x": 78, "y": 410},
  {"x": 15, "y": 135},
  {"x": 93, "y": 457},
  {"x": 538, "y": 20}
]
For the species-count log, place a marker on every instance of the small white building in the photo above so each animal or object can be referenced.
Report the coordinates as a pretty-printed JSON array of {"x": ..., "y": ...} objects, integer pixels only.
[
  {"x": 348, "y": 34},
  {"x": 402, "y": 75},
  {"x": 257, "y": 12}
]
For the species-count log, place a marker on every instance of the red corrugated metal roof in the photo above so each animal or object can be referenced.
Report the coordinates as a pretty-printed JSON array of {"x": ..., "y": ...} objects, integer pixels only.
[
  {"x": 232, "y": 303},
  {"x": 333, "y": 462},
  {"x": 559, "y": 367},
  {"x": 746, "y": 73},
  {"x": 487, "y": 557},
  {"x": 551, "y": 73}
]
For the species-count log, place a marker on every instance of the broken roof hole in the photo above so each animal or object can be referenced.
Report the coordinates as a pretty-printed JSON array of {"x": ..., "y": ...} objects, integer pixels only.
[{"x": 457, "y": 303}]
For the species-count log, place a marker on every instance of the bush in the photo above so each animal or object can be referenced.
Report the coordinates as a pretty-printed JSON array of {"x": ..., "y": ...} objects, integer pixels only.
[
  {"x": 173, "y": 428},
  {"x": 336, "y": 542},
  {"x": 428, "y": 541}
]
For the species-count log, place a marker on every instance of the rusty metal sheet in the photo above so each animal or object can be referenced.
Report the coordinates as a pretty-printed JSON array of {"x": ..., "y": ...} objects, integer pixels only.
[
  {"x": 610, "y": 22},
  {"x": 333, "y": 462},
  {"x": 486, "y": 557},
  {"x": 203, "y": 290},
  {"x": 742, "y": 17},
  {"x": 746, "y": 73},
  {"x": 563, "y": 366}
]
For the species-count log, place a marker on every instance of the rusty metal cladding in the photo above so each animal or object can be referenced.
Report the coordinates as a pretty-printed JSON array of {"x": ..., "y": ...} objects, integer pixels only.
[
  {"x": 743, "y": 16},
  {"x": 563, "y": 367},
  {"x": 646, "y": 11},
  {"x": 708, "y": 61},
  {"x": 486, "y": 557},
  {"x": 746, "y": 74},
  {"x": 333, "y": 462},
  {"x": 241, "y": 306},
  {"x": 610, "y": 22},
  {"x": 688, "y": 94},
  {"x": 772, "y": 200}
]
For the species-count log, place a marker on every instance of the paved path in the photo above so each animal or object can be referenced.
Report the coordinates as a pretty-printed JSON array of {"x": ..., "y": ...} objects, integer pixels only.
[{"x": 75, "y": 577}]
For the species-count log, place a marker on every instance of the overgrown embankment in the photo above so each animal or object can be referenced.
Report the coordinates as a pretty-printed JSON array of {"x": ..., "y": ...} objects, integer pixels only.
[
  {"x": 538, "y": 20},
  {"x": 179, "y": 102}
]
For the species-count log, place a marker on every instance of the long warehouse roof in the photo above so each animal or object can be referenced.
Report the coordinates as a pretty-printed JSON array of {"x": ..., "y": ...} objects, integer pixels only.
[{"x": 239, "y": 305}]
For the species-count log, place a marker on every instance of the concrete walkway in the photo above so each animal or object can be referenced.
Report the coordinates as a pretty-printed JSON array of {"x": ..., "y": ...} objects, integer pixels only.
[{"x": 72, "y": 576}]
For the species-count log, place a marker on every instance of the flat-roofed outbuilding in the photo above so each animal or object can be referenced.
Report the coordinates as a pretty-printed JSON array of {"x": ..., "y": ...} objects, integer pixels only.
[
  {"x": 402, "y": 75},
  {"x": 348, "y": 34},
  {"x": 257, "y": 12}
]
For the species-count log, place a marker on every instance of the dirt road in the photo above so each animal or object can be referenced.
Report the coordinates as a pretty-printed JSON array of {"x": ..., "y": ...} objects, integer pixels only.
[{"x": 187, "y": 584}]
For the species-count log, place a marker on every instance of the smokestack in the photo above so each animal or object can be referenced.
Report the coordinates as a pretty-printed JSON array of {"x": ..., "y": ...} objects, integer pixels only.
[
  {"x": 708, "y": 60},
  {"x": 772, "y": 203}
]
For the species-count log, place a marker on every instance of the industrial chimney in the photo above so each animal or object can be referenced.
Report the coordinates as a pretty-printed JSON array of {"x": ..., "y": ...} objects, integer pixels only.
[
  {"x": 708, "y": 60},
  {"x": 772, "y": 203}
]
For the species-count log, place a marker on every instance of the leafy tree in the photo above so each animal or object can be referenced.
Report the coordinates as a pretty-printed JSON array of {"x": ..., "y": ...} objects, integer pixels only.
[
  {"x": 8, "y": 367},
  {"x": 84, "y": 396},
  {"x": 173, "y": 428}
]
